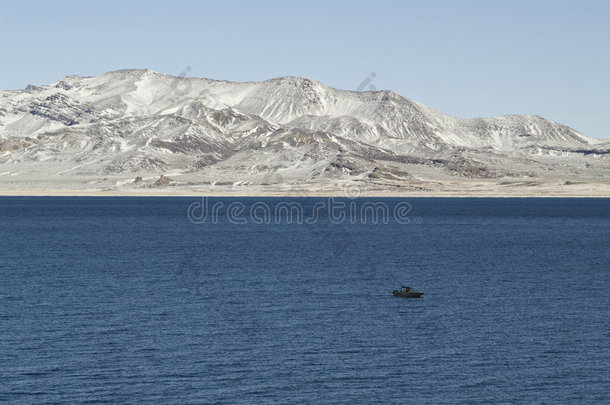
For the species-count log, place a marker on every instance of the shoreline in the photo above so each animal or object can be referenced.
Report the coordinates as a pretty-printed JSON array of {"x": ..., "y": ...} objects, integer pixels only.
[{"x": 260, "y": 194}]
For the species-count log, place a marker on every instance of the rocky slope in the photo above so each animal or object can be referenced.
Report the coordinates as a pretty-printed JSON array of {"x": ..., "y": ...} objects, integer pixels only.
[{"x": 282, "y": 135}]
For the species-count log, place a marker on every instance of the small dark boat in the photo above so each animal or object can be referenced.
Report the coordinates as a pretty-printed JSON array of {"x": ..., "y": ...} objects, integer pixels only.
[{"x": 407, "y": 292}]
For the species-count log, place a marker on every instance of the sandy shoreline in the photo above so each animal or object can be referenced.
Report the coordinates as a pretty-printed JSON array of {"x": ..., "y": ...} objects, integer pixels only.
[
  {"x": 289, "y": 194},
  {"x": 118, "y": 187}
]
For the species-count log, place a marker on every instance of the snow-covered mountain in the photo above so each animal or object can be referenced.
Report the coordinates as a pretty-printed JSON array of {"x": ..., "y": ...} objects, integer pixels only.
[{"x": 125, "y": 129}]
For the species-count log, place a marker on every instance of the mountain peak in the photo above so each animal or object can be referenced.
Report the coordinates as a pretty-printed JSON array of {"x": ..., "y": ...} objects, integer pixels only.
[{"x": 138, "y": 121}]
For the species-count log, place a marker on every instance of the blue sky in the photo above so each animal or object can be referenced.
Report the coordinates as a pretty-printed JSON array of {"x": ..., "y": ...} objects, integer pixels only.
[{"x": 465, "y": 58}]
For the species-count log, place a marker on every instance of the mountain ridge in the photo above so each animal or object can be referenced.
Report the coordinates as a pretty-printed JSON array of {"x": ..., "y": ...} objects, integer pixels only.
[{"x": 284, "y": 131}]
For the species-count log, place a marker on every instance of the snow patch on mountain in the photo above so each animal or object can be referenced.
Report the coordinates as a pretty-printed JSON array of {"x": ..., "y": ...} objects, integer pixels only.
[{"x": 141, "y": 123}]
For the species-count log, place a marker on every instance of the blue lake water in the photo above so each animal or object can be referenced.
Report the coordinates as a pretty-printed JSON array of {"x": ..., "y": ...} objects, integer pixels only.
[{"x": 126, "y": 300}]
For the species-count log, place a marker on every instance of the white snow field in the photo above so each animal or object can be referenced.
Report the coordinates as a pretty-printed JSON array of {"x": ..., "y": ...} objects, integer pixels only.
[{"x": 119, "y": 132}]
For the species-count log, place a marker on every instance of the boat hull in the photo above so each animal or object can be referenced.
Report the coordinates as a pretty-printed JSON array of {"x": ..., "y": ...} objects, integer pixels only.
[{"x": 407, "y": 294}]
